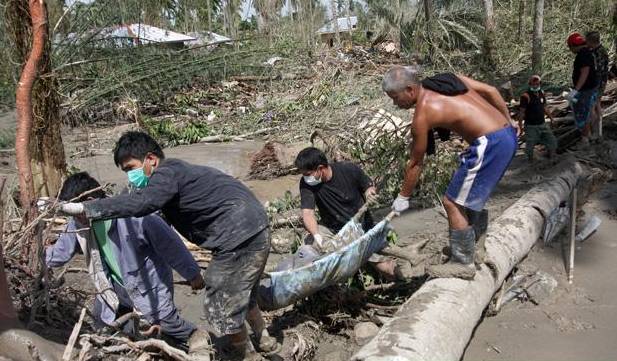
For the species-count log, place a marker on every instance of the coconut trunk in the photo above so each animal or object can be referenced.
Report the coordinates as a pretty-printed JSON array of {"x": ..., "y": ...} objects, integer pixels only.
[{"x": 426, "y": 327}]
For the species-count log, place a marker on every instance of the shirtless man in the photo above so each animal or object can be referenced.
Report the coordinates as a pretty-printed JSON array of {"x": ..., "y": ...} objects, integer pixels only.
[{"x": 478, "y": 113}]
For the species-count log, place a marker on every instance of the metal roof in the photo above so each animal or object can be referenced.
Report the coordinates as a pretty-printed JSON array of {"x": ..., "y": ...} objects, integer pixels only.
[
  {"x": 207, "y": 38},
  {"x": 345, "y": 24},
  {"x": 142, "y": 33}
]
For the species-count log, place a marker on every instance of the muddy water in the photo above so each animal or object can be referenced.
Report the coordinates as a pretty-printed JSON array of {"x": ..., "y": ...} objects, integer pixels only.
[{"x": 232, "y": 158}]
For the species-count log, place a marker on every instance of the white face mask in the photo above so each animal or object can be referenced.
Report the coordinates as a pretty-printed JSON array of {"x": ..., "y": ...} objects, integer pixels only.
[{"x": 311, "y": 180}]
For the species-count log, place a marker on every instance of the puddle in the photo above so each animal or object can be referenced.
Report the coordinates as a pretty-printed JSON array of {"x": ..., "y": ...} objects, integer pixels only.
[{"x": 232, "y": 158}]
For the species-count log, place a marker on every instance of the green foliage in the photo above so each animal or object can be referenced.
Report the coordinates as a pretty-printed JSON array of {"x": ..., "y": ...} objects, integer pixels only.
[
  {"x": 284, "y": 204},
  {"x": 170, "y": 134},
  {"x": 7, "y": 138}
]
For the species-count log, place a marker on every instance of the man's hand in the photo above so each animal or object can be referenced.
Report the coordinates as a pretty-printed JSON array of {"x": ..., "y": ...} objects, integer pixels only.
[
  {"x": 72, "y": 209},
  {"x": 518, "y": 128},
  {"x": 371, "y": 195},
  {"x": 400, "y": 204},
  {"x": 318, "y": 239},
  {"x": 197, "y": 283},
  {"x": 572, "y": 97}
]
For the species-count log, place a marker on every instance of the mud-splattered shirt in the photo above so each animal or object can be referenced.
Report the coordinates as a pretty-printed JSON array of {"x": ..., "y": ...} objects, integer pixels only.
[{"x": 208, "y": 207}]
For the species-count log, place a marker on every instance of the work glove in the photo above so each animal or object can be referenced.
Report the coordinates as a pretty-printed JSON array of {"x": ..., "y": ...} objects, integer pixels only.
[
  {"x": 72, "y": 209},
  {"x": 572, "y": 97},
  {"x": 371, "y": 195},
  {"x": 197, "y": 283},
  {"x": 400, "y": 204},
  {"x": 318, "y": 239}
]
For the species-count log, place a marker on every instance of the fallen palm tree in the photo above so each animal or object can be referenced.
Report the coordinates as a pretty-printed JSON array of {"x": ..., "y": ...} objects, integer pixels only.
[{"x": 423, "y": 329}]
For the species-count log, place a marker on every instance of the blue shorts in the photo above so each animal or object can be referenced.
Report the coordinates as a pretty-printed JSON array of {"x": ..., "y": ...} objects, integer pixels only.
[
  {"x": 582, "y": 108},
  {"x": 482, "y": 166}
]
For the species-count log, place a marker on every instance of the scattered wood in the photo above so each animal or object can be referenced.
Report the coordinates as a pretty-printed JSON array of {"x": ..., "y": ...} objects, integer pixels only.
[
  {"x": 234, "y": 138},
  {"x": 68, "y": 351},
  {"x": 274, "y": 160}
]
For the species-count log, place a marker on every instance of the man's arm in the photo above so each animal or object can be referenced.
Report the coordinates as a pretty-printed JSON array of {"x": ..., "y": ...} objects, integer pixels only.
[
  {"x": 169, "y": 246},
  {"x": 310, "y": 221},
  {"x": 365, "y": 184},
  {"x": 582, "y": 78},
  {"x": 549, "y": 115},
  {"x": 490, "y": 93},
  {"x": 419, "y": 130},
  {"x": 522, "y": 109},
  {"x": 160, "y": 190},
  {"x": 64, "y": 249}
]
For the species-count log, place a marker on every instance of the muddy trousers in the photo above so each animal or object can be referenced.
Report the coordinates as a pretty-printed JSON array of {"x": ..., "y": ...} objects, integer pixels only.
[{"x": 172, "y": 325}]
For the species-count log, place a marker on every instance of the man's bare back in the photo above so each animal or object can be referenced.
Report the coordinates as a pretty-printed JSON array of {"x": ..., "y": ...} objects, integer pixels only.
[{"x": 470, "y": 115}]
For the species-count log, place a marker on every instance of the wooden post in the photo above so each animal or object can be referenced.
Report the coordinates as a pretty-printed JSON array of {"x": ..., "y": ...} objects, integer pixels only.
[{"x": 572, "y": 234}]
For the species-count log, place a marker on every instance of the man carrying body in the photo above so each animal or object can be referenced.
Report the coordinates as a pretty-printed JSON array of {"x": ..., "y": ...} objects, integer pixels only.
[
  {"x": 338, "y": 190},
  {"x": 585, "y": 81},
  {"x": 212, "y": 210},
  {"x": 600, "y": 57},
  {"x": 532, "y": 110},
  {"x": 130, "y": 261},
  {"x": 478, "y": 113}
]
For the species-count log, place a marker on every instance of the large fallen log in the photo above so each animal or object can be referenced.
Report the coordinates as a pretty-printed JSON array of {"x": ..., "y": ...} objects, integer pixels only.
[{"x": 437, "y": 322}]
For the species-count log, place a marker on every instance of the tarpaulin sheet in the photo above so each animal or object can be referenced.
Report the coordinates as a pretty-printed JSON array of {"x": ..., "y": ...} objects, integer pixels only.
[{"x": 283, "y": 288}]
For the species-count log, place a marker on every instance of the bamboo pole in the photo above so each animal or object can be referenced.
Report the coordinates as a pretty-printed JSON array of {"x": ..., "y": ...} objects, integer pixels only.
[{"x": 572, "y": 235}]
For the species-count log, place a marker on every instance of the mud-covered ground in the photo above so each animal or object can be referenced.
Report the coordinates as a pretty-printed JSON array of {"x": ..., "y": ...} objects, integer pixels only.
[{"x": 577, "y": 322}]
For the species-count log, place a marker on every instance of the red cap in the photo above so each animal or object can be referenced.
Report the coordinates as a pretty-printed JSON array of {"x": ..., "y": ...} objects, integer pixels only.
[{"x": 576, "y": 39}]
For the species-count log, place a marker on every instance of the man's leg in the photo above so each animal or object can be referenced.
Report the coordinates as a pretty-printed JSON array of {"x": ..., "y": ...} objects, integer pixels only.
[
  {"x": 185, "y": 332},
  {"x": 549, "y": 140},
  {"x": 230, "y": 281},
  {"x": 462, "y": 234},
  {"x": 531, "y": 139}
]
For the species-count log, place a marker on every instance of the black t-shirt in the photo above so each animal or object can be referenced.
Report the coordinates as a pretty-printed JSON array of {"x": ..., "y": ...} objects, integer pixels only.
[
  {"x": 339, "y": 198},
  {"x": 585, "y": 58},
  {"x": 533, "y": 103}
]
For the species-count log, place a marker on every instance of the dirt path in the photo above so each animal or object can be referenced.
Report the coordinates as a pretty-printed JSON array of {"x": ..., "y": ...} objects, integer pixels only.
[{"x": 578, "y": 321}]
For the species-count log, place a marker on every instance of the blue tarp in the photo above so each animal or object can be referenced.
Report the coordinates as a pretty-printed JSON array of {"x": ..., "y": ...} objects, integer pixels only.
[{"x": 283, "y": 288}]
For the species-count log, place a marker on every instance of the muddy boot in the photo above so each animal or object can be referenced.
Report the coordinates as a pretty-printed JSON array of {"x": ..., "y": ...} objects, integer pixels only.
[
  {"x": 461, "y": 263},
  {"x": 479, "y": 222},
  {"x": 200, "y": 347},
  {"x": 267, "y": 344}
]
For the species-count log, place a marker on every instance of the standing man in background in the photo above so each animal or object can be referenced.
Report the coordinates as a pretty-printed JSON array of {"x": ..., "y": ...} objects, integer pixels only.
[
  {"x": 532, "y": 111},
  {"x": 583, "y": 96},
  {"x": 600, "y": 57}
]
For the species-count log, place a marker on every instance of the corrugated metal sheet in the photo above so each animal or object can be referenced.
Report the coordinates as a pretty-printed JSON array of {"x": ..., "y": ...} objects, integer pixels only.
[
  {"x": 207, "y": 38},
  {"x": 142, "y": 34},
  {"x": 344, "y": 25}
]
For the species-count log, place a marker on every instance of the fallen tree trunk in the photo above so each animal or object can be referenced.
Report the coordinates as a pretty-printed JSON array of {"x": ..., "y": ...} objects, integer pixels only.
[{"x": 425, "y": 327}]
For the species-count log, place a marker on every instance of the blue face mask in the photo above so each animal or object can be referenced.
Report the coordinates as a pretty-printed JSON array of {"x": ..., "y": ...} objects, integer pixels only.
[{"x": 138, "y": 177}]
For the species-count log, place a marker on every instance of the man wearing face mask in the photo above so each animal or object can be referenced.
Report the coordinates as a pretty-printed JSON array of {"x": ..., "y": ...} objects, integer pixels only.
[
  {"x": 532, "y": 110},
  {"x": 211, "y": 209},
  {"x": 338, "y": 190}
]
